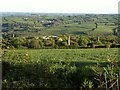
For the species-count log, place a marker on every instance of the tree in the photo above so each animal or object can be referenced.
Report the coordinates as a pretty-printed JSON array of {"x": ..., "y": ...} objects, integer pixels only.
[
  {"x": 96, "y": 25},
  {"x": 17, "y": 42},
  {"x": 41, "y": 43},
  {"x": 73, "y": 43},
  {"x": 83, "y": 42},
  {"x": 48, "y": 42},
  {"x": 34, "y": 43}
]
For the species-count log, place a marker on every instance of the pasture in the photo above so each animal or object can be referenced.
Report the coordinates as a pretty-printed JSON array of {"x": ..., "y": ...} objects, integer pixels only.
[{"x": 61, "y": 24}]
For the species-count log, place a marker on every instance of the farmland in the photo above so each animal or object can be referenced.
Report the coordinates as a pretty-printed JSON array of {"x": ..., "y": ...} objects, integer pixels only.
[
  {"x": 52, "y": 24},
  {"x": 55, "y": 68},
  {"x": 53, "y": 30},
  {"x": 74, "y": 51}
]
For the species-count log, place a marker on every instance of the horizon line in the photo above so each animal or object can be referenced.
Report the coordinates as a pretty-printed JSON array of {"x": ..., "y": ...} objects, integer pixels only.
[{"x": 53, "y": 12}]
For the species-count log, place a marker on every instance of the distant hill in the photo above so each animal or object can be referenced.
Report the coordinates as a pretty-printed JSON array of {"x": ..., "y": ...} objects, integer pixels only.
[{"x": 58, "y": 23}]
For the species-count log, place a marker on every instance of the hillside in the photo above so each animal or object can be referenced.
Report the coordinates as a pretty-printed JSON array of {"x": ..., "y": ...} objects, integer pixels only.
[{"x": 34, "y": 24}]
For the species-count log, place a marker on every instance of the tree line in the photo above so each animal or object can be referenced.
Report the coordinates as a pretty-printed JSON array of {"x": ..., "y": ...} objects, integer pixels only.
[{"x": 63, "y": 41}]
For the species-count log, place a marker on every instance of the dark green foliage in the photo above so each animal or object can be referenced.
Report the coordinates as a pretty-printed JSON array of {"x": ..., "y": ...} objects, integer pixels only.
[
  {"x": 96, "y": 25},
  {"x": 34, "y": 43},
  {"x": 47, "y": 69},
  {"x": 83, "y": 41},
  {"x": 60, "y": 42}
]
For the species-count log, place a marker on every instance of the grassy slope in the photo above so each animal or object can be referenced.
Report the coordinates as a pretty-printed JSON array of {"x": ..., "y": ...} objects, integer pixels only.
[{"x": 72, "y": 28}]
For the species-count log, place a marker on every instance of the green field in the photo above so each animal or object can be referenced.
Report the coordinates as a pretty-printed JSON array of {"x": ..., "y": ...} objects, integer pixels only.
[
  {"x": 61, "y": 24},
  {"x": 54, "y": 68},
  {"x": 67, "y": 55}
]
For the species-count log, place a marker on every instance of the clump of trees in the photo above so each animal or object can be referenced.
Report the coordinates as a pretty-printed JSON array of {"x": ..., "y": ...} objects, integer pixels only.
[{"x": 75, "y": 41}]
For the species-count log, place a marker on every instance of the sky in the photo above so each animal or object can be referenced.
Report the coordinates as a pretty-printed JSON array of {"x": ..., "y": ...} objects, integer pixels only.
[{"x": 60, "y": 6}]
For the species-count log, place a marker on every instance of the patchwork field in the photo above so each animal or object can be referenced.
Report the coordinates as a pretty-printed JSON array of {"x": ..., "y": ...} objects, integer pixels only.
[{"x": 35, "y": 25}]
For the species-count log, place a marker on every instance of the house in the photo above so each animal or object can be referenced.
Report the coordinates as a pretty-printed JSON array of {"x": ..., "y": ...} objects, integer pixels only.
[{"x": 48, "y": 37}]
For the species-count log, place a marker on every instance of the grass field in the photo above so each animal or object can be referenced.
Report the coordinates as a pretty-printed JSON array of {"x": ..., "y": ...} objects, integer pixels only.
[
  {"x": 53, "y": 68},
  {"x": 79, "y": 55},
  {"x": 79, "y": 29}
]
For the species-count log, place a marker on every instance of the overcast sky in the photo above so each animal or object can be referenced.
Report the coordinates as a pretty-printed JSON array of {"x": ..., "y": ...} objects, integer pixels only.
[{"x": 60, "y": 6}]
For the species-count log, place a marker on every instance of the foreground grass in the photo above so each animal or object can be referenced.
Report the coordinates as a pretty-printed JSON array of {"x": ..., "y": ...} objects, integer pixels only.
[
  {"x": 52, "y": 68},
  {"x": 67, "y": 55}
]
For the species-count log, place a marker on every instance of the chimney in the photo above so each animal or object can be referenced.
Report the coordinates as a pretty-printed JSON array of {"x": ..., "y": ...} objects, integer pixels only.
[
  {"x": 13, "y": 35},
  {"x": 69, "y": 40}
]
